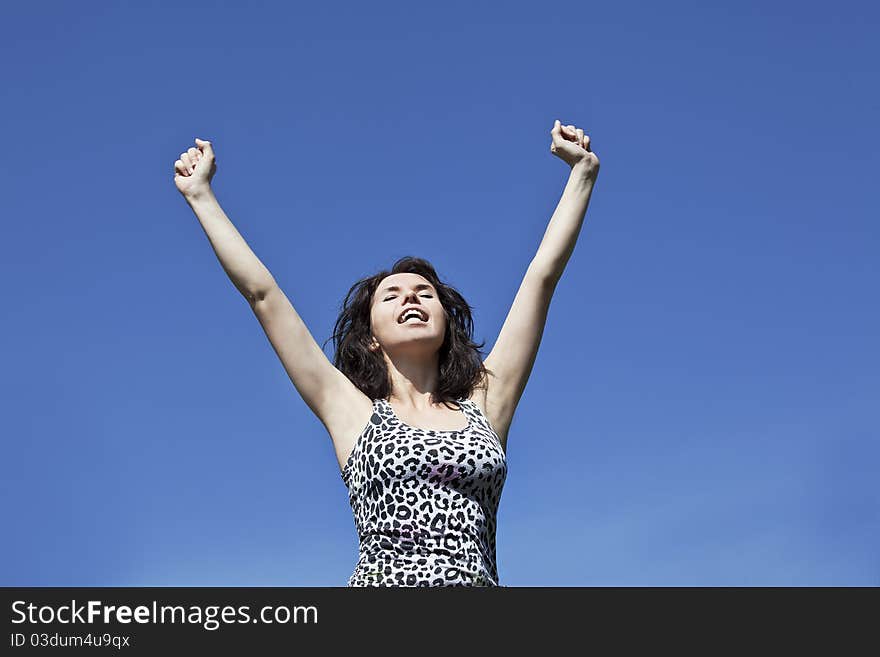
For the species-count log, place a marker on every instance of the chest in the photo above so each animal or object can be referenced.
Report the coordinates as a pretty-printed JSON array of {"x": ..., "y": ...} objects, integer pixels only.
[{"x": 434, "y": 420}]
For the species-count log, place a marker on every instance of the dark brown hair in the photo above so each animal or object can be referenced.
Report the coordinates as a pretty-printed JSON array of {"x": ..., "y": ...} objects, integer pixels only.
[{"x": 461, "y": 362}]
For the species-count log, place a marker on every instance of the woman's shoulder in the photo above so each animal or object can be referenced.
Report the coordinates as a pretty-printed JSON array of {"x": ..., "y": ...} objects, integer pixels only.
[{"x": 352, "y": 413}]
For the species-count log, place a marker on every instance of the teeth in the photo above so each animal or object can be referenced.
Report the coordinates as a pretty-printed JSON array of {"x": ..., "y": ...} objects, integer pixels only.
[{"x": 410, "y": 314}]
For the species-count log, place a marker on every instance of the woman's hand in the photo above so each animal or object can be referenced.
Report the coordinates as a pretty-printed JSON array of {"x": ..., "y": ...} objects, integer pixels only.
[
  {"x": 195, "y": 168},
  {"x": 572, "y": 146}
]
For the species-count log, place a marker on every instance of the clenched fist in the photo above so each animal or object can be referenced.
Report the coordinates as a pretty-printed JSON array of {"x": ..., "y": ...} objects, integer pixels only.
[
  {"x": 195, "y": 168},
  {"x": 572, "y": 146}
]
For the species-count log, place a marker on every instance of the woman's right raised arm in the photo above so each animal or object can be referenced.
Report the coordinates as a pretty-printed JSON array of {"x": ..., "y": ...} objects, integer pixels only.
[{"x": 326, "y": 390}]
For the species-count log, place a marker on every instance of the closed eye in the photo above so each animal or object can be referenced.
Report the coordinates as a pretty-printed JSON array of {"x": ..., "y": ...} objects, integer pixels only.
[{"x": 430, "y": 296}]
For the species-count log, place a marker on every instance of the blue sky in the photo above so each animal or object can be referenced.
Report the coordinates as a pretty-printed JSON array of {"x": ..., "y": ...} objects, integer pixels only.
[{"x": 703, "y": 408}]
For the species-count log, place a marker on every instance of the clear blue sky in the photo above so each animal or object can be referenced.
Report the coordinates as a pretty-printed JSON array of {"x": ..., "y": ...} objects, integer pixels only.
[{"x": 703, "y": 409}]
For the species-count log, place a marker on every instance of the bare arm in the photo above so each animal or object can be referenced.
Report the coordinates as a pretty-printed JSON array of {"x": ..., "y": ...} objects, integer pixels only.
[
  {"x": 243, "y": 267},
  {"x": 513, "y": 354},
  {"x": 192, "y": 176},
  {"x": 573, "y": 146},
  {"x": 326, "y": 391}
]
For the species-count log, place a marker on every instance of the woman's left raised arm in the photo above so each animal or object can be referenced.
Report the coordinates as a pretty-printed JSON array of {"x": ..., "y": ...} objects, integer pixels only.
[
  {"x": 513, "y": 354},
  {"x": 572, "y": 146}
]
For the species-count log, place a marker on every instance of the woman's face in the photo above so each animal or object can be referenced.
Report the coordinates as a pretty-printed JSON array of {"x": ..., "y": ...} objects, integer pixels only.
[{"x": 423, "y": 335}]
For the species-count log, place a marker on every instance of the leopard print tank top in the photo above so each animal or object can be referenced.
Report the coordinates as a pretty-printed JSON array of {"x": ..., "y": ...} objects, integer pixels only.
[{"x": 425, "y": 502}]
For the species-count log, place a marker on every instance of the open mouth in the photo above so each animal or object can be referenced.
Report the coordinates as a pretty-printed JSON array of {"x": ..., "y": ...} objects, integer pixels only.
[{"x": 413, "y": 316}]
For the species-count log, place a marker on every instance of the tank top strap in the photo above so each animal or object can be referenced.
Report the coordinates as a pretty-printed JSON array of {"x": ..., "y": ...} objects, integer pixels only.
[
  {"x": 476, "y": 414},
  {"x": 470, "y": 408}
]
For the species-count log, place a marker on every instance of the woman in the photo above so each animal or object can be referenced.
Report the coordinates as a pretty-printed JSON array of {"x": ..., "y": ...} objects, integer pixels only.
[{"x": 424, "y": 479}]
